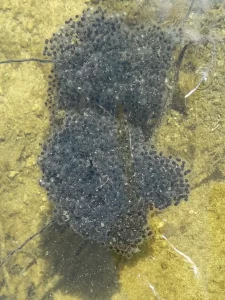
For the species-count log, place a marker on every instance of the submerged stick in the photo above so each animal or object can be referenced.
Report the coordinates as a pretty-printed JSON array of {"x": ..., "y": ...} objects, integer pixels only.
[
  {"x": 188, "y": 12},
  {"x": 11, "y": 253},
  {"x": 9, "y": 61}
]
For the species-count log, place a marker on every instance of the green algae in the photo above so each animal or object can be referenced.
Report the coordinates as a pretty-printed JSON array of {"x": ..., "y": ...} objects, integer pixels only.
[{"x": 185, "y": 259}]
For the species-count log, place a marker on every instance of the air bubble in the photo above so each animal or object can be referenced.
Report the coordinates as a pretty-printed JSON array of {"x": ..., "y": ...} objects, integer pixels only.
[{"x": 203, "y": 79}]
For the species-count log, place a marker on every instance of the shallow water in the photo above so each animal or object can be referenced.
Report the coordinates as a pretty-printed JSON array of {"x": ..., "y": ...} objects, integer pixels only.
[{"x": 186, "y": 257}]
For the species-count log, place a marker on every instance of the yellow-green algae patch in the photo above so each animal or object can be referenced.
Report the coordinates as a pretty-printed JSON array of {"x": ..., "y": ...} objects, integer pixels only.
[{"x": 185, "y": 259}]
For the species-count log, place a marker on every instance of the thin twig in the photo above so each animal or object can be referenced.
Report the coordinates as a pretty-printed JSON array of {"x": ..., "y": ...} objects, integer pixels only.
[
  {"x": 26, "y": 60},
  {"x": 188, "y": 12},
  {"x": 179, "y": 62},
  {"x": 4, "y": 260}
]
